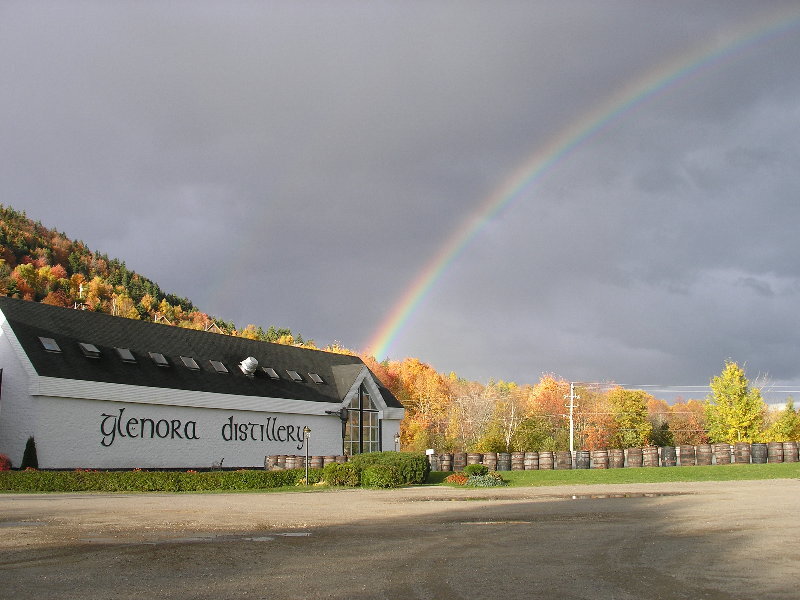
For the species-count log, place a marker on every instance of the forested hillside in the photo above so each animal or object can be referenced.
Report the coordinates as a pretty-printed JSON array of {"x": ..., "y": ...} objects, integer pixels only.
[
  {"x": 44, "y": 265},
  {"x": 444, "y": 412}
]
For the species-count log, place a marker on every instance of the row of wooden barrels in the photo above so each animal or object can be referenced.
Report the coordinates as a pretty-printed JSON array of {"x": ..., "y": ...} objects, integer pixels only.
[
  {"x": 277, "y": 462},
  {"x": 649, "y": 456}
]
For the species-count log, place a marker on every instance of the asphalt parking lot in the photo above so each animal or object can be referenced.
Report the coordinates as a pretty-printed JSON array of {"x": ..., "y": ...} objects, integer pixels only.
[{"x": 730, "y": 540}]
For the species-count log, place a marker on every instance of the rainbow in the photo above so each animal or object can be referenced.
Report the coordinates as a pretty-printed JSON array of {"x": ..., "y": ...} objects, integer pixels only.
[{"x": 561, "y": 145}]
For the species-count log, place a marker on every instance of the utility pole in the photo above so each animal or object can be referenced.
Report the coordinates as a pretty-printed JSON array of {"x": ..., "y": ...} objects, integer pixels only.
[{"x": 572, "y": 398}]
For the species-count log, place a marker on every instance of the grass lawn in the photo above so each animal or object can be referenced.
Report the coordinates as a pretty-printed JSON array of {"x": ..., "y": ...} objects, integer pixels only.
[{"x": 642, "y": 475}]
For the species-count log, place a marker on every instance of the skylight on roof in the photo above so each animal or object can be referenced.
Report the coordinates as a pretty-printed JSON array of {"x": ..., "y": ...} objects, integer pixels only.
[
  {"x": 50, "y": 344},
  {"x": 315, "y": 378},
  {"x": 190, "y": 363},
  {"x": 159, "y": 359},
  {"x": 218, "y": 366},
  {"x": 126, "y": 355},
  {"x": 271, "y": 372},
  {"x": 294, "y": 375},
  {"x": 89, "y": 350}
]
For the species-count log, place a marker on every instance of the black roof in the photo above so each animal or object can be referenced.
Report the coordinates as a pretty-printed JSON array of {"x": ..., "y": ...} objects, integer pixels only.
[{"x": 68, "y": 327}]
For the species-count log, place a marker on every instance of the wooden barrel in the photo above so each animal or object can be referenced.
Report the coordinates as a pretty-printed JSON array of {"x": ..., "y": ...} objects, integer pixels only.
[
  {"x": 474, "y": 458},
  {"x": 687, "y": 455},
  {"x": 545, "y": 460},
  {"x": 669, "y": 457},
  {"x": 741, "y": 453},
  {"x": 490, "y": 460},
  {"x": 722, "y": 454},
  {"x": 272, "y": 462},
  {"x": 704, "y": 454},
  {"x": 341, "y": 458},
  {"x": 758, "y": 453},
  {"x": 790, "y": 452},
  {"x": 563, "y": 459},
  {"x": 503, "y": 461},
  {"x": 775, "y": 452},
  {"x": 459, "y": 461},
  {"x": 616, "y": 458},
  {"x": 434, "y": 461},
  {"x": 650, "y": 456},
  {"x": 583, "y": 459},
  {"x": 599, "y": 459},
  {"x": 446, "y": 462},
  {"x": 328, "y": 460},
  {"x": 531, "y": 461},
  {"x": 517, "y": 461},
  {"x": 290, "y": 461},
  {"x": 634, "y": 457},
  {"x": 281, "y": 464},
  {"x": 317, "y": 462}
]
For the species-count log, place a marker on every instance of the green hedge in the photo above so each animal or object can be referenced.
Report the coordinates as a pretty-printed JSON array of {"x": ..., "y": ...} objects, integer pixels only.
[
  {"x": 381, "y": 476},
  {"x": 150, "y": 481},
  {"x": 412, "y": 467},
  {"x": 476, "y": 470},
  {"x": 344, "y": 474}
]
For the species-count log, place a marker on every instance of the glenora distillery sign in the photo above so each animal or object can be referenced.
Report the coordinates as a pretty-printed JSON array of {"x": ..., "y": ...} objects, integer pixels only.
[{"x": 118, "y": 426}]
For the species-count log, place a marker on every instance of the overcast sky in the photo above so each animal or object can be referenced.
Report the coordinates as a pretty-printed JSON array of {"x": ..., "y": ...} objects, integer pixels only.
[{"x": 299, "y": 164}]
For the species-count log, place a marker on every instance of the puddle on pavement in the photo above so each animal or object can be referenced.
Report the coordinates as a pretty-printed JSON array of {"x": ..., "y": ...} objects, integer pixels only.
[
  {"x": 496, "y": 523},
  {"x": 211, "y": 537},
  {"x": 553, "y": 497},
  {"x": 621, "y": 495}
]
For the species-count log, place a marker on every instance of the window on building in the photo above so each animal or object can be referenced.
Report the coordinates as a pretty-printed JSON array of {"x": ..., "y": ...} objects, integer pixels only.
[
  {"x": 315, "y": 378},
  {"x": 159, "y": 359},
  {"x": 294, "y": 375},
  {"x": 126, "y": 355},
  {"x": 190, "y": 363},
  {"x": 89, "y": 350},
  {"x": 362, "y": 430},
  {"x": 50, "y": 344},
  {"x": 273, "y": 374},
  {"x": 218, "y": 366}
]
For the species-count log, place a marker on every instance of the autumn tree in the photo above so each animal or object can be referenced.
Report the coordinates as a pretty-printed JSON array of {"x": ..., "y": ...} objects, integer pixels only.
[
  {"x": 596, "y": 426},
  {"x": 687, "y": 423},
  {"x": 658, "y": 412},
  {"x": 469, "y": 414},
  {"x": 629, "y": 409},
  {"x": 785, "y": 426},
  {"x": 734, "y": 410},
  {"x": 425, "y": 395}
]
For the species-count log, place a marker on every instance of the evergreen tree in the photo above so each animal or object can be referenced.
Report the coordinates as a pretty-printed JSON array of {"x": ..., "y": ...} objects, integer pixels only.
[{"x": 29, "y": 458}]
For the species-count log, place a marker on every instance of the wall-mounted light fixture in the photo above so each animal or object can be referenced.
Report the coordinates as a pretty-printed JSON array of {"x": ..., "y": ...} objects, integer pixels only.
[{"x": 307, "y": 436}]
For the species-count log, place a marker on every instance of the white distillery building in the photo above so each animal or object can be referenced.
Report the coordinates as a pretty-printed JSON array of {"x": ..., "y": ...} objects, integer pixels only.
[{"x": 97, "y": 391}]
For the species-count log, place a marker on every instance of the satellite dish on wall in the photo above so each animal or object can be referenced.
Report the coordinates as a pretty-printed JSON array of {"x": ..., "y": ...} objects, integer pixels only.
[{"x": 248, "y": 366}]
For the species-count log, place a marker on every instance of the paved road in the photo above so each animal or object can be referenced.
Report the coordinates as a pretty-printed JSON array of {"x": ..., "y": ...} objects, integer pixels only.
[{"x": 736, "y": 540}]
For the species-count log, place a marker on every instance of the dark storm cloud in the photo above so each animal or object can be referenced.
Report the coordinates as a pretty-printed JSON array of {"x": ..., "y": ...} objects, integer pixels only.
[{"x": 298, "y": 164}]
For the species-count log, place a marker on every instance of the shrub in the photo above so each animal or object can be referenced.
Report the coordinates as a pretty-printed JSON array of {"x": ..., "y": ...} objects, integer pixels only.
[
  {"x": 489, "y": 480},
  {"x": 346, "y": 474},
  {"x": 381, "y": 476},
  {"x": 413, "y": 467},
  {"x": 150, "y": 481},
  {"x": 476, "y": 470},
  {"x": 5, "y": 463},
  {"x": 456, "y": 478}
]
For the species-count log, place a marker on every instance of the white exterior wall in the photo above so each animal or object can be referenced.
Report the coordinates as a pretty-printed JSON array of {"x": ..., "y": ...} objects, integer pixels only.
[
  {"x": 90, "y": 424},
  {"x": 17, "y": 411},
  {"x": 96, "y": 434},
  {"x": 389, "y": 427}
]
